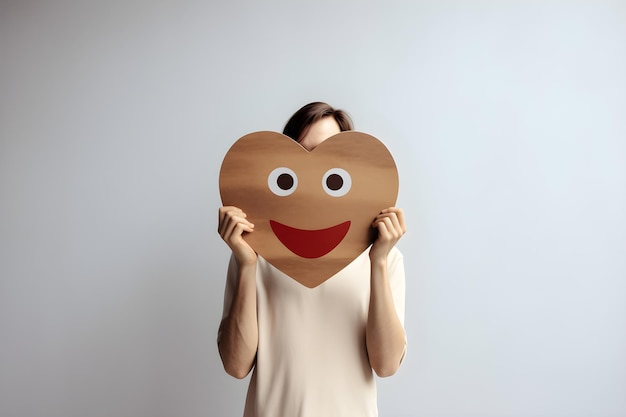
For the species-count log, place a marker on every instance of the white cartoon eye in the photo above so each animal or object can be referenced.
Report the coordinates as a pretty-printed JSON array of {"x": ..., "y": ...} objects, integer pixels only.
[
  {"x": 337, "y": 182},
  {"x": 282, "y": 181}
]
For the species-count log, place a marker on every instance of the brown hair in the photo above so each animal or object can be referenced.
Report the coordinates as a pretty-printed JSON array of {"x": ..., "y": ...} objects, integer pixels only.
[{"x": 301, "y": 120}]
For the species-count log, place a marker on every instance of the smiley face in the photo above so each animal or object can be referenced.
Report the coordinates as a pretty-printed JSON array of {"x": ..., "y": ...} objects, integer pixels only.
[{"x": 312, "y": 211}]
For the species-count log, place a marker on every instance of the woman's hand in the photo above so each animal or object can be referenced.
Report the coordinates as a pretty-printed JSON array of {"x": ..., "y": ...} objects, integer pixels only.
[
  {"x": 231, "y": 227},
  {"x": 391, "y": 227}
]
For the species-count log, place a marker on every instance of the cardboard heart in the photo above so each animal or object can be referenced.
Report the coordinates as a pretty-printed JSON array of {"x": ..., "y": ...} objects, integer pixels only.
[{"x": 312, "y": 211}]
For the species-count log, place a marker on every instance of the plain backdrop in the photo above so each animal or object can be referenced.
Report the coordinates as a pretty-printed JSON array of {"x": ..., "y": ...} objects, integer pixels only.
[{"x": 507, "y": 120}]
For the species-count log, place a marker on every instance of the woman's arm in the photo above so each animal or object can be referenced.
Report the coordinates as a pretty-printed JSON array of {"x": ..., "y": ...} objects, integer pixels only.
[
  {"x": 238, "y": 335},
  {"x": 384, "y": 334}
]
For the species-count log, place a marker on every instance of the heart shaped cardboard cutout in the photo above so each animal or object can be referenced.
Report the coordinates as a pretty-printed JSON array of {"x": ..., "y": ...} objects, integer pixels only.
[{"x": 312, "y": 211}]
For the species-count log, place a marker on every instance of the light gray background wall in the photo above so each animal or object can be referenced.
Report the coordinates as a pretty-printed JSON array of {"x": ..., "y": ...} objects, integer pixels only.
[{"x": 507, "y": 121}]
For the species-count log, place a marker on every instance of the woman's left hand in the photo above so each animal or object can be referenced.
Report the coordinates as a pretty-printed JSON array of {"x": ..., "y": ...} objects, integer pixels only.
[{"x": 391, "y": 227}]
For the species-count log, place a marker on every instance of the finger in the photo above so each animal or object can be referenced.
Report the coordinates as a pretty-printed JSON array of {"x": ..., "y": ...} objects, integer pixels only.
[
  {"x": 227, "y": 229},
  {"x": 222, "y": 215},
  {"x": 401, "y": 219},
  {"x": 399, "y": 213},
  {"x": 384, "y": 227},
  {"x": 225, "y": 222},
  {"x": 389, "y": 215},
  {"x": 225, "y": 211},
  {"x": 389, "y": 229},
  {"x": 231, "y": 214},
  {"x": 235, "y": 226},
  {"x": 237, "y": 231},
  {"x": 395, "y": 221}
]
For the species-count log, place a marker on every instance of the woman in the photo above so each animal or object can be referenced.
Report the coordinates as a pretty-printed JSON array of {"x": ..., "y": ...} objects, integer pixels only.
[{"x": 313, "y": 349}]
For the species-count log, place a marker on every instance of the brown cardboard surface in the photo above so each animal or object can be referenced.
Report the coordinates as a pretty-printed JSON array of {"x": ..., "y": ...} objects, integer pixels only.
[{"x": 308, "y": 230}]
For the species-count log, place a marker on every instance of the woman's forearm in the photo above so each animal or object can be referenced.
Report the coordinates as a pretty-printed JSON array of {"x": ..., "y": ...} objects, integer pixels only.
[
  {"x": 385, "y": 336},
  {"x": 238, "y": 335}
]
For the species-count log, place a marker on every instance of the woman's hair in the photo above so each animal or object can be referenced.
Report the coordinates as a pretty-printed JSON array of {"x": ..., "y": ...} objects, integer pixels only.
[{"x": 301, "y": 120}]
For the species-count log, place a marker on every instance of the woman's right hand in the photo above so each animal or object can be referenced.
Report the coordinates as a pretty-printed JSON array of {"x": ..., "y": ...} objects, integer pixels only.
[{"x": 232, "y": 225}]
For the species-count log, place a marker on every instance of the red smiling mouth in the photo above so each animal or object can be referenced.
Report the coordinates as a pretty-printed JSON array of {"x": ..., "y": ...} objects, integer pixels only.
[{"x": 310, "y": 243}]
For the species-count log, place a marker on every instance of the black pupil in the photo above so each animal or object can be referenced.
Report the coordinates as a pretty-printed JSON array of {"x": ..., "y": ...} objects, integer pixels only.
[
  {"x": 334, "y": 182},
  {"x": 284, "y": 181}
]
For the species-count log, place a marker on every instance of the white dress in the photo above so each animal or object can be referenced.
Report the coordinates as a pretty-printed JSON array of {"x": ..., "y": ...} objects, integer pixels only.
[{"x": 311, "y": 359}]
